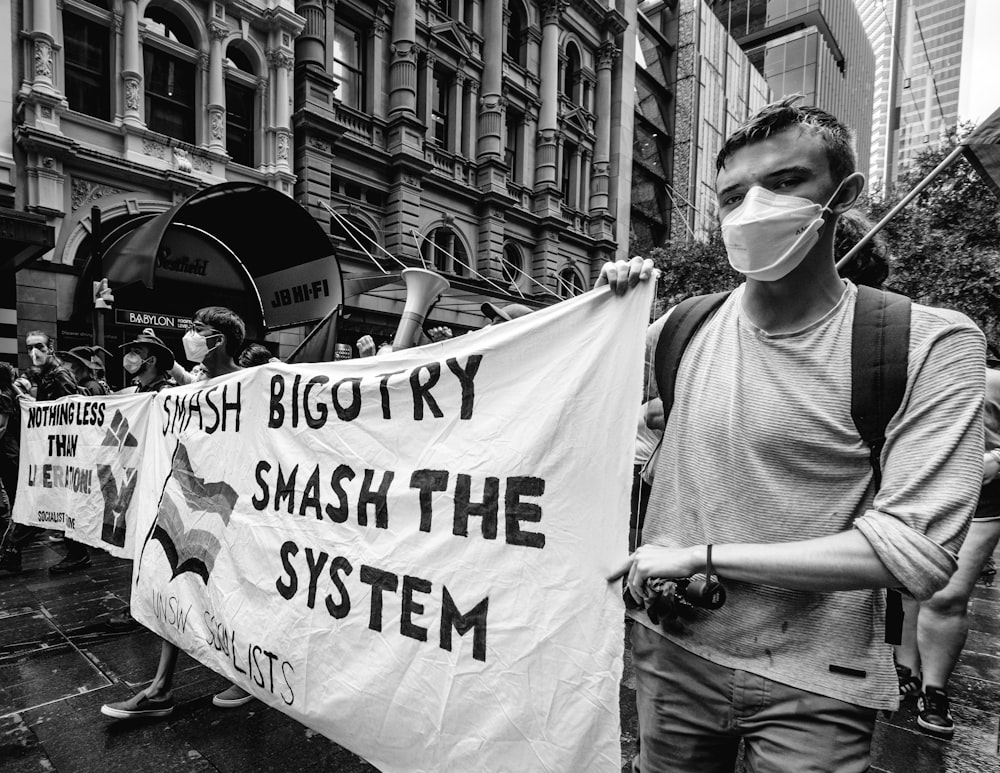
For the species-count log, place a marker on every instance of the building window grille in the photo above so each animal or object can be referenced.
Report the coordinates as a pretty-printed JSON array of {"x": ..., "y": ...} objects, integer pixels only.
[
  {"x": 441, "y": 87},
  {"x": 571, "y": 73},
  {"x": 513, "y": 140},
  {"x": 169, "y": 79},
  {"x": 569, "y": 181},
  {"x": 513, "y": 264},
  {"x": 241, "y": 124},
  {"x": 571, "y": 284},
  {"x": 87, "y": 59},
  {"x": 348, "y": 65},
  {"x": 515, "y": 33},
  {"x": 443, "y": 250}
]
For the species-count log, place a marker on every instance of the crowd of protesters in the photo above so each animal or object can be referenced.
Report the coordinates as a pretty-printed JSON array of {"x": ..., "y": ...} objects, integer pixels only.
[{"x": 753, "y": 464}]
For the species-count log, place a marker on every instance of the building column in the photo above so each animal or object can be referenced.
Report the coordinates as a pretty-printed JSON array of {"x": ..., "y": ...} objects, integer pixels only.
[
  {"x": 530, "y": 131},
  {"x": 455, "y": 113},
  {"x": 583, "y": 194},
  {"x": 311, "y": 44},
  {"x": 471, "y": 119},
  {"x": 375, "y": 98},
  {"x": 600, "y": 172},
  {"x": 403, "y": 68},
  {"x": 131, "y": 64},
  {"x": 281, "y": 64},
  {"x": 43, "y": 69},
  {"x": 491, "y": 108},
  {"x": 216, "y": 90},
  {"x": 426, "y": 108},
  {"x": 548, "y": 119}
]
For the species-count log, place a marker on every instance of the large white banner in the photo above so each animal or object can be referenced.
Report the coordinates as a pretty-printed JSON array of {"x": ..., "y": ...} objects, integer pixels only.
[
  {"x": 408, "y": 553},
  {"x": 79, "y": 467}
]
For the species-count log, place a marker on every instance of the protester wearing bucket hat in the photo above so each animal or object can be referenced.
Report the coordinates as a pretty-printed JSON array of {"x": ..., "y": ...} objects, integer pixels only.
[
  {"x": 81, "y": 361},
  {"x": 147, "y": 345},
  {"x": 496, "y": 315}
]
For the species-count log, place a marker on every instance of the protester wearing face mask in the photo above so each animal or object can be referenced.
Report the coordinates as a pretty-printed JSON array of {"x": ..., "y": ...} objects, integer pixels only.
[
  {"x": 214, "y": 340},
  {"x": 147, "y": 361},
  {"x": 55, "y": 380},
  {"x": 762, "y": 461}
]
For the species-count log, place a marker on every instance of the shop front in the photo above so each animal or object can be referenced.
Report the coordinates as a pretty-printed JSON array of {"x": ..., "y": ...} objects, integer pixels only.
[{"x": 240, "y": 245}]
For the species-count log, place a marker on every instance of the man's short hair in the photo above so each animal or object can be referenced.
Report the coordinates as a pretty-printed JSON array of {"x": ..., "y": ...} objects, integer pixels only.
[
  {"x": 49, "y": 341},
  {"x": 227, "y": 322},
  {"x": 254, "y": 355},
  {"x": 778, "y": 116}
]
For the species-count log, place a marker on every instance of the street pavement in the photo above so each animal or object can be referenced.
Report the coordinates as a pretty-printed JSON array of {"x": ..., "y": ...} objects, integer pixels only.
[{"x": 60, "y": 660}]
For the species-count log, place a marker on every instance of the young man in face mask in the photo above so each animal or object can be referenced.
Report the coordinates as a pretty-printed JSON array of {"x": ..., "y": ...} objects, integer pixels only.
[
  {"x": 214, "y": 339},
  {"x": 761, "y": 460}
]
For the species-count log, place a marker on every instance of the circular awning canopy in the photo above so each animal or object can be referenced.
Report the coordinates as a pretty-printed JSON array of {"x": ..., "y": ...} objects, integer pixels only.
[{"x": 235, "y": 236}]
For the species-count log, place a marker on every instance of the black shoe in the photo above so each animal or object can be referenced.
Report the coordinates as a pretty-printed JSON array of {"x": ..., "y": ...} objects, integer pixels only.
[
  {"x": 932, "y": 712},
  {"x": 122, "y": 620},
  {"x": 70, "y": 564},
  {"x": 10, "y": 562},
  {"x": 139, "y": 707}
]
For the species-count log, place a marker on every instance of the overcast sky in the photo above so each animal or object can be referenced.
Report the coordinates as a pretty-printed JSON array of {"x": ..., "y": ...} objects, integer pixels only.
[{"x": 979, "y": 94}]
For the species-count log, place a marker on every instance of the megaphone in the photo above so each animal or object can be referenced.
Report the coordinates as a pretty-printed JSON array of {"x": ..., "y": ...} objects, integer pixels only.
[{"x": 422, "y": 289}]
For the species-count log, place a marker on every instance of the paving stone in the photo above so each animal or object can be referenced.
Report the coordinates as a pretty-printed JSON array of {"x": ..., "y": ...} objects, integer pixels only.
[
  {"x": 78, "y": 738},
  {"x": 20, "y": 750}
]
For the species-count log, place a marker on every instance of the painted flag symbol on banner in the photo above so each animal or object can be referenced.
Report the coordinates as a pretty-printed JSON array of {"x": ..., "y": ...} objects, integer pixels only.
[{"x": 187, "y": 547}]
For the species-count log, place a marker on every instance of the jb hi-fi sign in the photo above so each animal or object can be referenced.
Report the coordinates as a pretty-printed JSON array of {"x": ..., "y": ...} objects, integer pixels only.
[
  {"x": 300, "y": 294},
  {"x": 151, "y": 319}
]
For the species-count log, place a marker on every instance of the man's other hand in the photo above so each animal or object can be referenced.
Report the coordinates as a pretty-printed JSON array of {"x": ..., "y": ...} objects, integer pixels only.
[{"x": 622, "y": 274}]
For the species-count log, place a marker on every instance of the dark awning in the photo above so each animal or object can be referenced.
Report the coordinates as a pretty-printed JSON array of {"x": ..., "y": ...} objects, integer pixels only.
[
  {"x": 258, "y": 229},
  {"x": 24, "y": 236}
]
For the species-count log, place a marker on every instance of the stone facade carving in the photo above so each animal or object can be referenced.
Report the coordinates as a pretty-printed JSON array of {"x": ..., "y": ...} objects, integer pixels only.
[
  {"x": 43, "y": 59},
  {"x": 217, "y": 123},
  {"x": 155, "y": 149},
  {"x": 606, "y": 55},
  {"x": 202, "y": 164},
  {"x": 132, "y": 94},
  {"x": 282, "y": 147},
  {"x": 84, "y": 191},
  {"x": 182, "y": 160}
]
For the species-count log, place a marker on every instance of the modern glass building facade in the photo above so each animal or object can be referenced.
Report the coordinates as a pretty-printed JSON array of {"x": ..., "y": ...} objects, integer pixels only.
[{"x": 817, "y": 48}]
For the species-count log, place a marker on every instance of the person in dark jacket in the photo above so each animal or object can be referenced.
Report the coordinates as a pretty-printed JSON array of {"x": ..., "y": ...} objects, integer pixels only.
[{"x": 55, "y": 380}]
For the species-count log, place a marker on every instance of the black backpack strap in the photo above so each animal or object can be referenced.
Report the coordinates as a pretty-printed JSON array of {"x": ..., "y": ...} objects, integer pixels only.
[
  {"x": 678, "y": 330},
  {"x": 879, "y": 352},
  {"x": 676, "y": 334}
]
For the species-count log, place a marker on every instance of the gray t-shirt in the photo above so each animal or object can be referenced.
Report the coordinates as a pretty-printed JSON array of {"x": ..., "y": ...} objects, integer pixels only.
[{"x": 760, "y": 448}]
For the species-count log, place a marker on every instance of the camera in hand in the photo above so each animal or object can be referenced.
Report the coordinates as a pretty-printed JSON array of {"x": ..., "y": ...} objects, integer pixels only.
[
  {"x": 678, "y": 598},
  {"x": 674, "y": 598}
]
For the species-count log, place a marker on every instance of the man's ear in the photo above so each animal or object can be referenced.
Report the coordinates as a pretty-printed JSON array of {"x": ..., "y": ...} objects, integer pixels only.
[{"x": 850, "y": 190}]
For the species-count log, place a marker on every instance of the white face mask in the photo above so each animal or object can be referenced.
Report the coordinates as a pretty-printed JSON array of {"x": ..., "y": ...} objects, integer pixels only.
[
  {"x": 133, "y": 363},
  {"x": 38, "y": 357},
  {"x": 769, "y": 233},
  {"x": 196, "y": 346}
]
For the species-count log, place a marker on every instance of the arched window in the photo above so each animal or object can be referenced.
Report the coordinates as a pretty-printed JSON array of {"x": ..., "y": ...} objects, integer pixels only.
[
  {"x": 571, "y": 74},
  {"x": 443, "y": 250},
  {"x": 513, "y": 263},
  {"x": 87, "y": 62},
  {"x": 169, "y": 76},
  {"x": 241, "y": 107},
  {"x": 571, "y": 283},
  {"x": 516, "y": 26},
  {"x": 356, "y": 232}
]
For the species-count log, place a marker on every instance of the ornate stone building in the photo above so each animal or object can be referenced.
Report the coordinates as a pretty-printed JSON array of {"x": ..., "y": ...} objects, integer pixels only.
[
  {"x": 131, "y": 106},
  {"x": 475, "y": 136}
]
